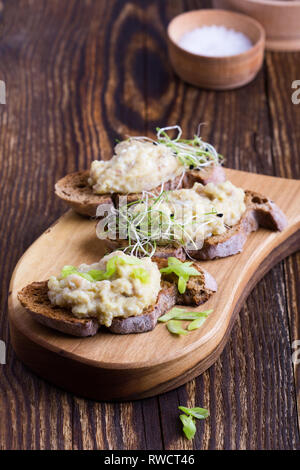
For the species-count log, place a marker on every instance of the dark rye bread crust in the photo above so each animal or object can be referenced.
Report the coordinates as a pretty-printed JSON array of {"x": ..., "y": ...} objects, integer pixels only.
[
  {"x": 76, "y": 192},
  {"x": 34, "y": 298},
  {"x": 260, "y": 212},
  {"x": 215, "y": 174},
  {"x": 198, "y": 289},
  {"x": 140, "y": 324}
]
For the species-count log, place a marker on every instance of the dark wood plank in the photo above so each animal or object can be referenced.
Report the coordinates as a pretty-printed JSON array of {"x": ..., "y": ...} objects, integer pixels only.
[
  {"x": 80, "y": 74},
  {"x": 240, "y": 125},
  {"x": 286, "y": 156}
]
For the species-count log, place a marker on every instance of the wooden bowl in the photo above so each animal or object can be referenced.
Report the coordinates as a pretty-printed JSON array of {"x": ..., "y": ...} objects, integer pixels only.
[
  {"x": 217, "y": 73},
  {"x": 281, "y": 20}
]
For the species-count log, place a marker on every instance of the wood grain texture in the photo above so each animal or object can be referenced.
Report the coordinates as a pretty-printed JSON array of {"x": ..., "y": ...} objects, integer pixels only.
[{"x": 80, "y": 73}]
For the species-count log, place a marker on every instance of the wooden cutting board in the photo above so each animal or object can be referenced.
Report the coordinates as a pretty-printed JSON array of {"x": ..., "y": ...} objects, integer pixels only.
[{"x": 111, "y": 367}]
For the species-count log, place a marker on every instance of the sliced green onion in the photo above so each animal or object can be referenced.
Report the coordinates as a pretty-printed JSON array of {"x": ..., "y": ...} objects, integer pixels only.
[
  {"x": 177, "y": 314},
  {"x": 67, "y": 270},
  {"x": 172, "y": 260},
  {"x": 95, "y": 275},
  {"x": 170, "y": 315},
  {"x": 181, "y": 314},
  {"x": 182, "y": 284},
  {"x": 198, "y": 322},
  {"x": 189, "y": 426},
  {"x": 199, "y": 413},
  {"x": 85, "y": 276},
  {"x": 129, "y": 260},
  {"x": 194, "y": 325},
  {"x": 111, "y": 266},
  {"x": 141, "y": 274},
  {"x": 175, "y": 327},
  {"x": 182, "y": 269}
]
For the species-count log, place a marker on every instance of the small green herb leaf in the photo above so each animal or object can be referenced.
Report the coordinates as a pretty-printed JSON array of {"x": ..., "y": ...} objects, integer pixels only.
[
  {"x": 141, "y": 274},
  {"x": 199, "y": 413},
  {"x": 175, "y": 327},
  {"x": 189, "y": 426}
]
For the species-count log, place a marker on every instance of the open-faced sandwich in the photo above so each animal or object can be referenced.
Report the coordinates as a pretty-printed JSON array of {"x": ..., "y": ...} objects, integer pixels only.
[
  {"x": 160, "y": 202},
  {"x": 122, "y": 293},
  {"x": 141, "y": 164},
  {"x": 203, "y": 222}
]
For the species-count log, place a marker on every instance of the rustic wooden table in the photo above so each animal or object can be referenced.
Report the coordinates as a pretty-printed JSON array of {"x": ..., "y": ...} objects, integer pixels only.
[{"x": 80, "y": 73}]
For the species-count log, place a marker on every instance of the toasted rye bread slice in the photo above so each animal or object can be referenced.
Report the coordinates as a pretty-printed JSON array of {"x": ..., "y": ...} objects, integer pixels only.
[
  {"x": 213, "y": 174},
  {"x": 34, "y": 298},
  {"x": 198, "y": 289},
  {"x": 76, "y": 192},
  {"x": 142, "y": 323},
  {"x": 260, "y": 212}
]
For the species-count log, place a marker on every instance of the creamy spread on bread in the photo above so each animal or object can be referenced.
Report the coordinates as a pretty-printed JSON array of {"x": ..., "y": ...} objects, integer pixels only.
[
  {"x": 198, "y": 213},
  {"x": 121, "y": 295},
  {"x": 226, "y": 198},
  {"x": 135, "y": 167}
]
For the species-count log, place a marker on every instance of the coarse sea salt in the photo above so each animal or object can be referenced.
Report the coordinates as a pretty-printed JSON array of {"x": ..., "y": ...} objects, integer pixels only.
[{"x": 215, "y": 41}]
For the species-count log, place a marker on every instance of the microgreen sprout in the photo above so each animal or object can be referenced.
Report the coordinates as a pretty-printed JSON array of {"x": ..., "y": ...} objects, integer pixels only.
[
  {"x": 192, "y": 153},
  {"x": 147, "y": 222}
]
